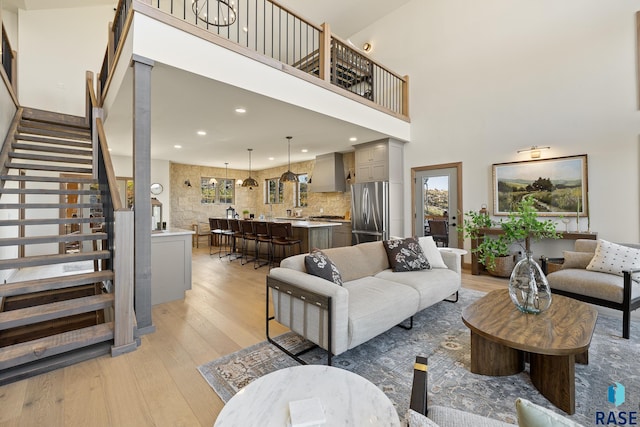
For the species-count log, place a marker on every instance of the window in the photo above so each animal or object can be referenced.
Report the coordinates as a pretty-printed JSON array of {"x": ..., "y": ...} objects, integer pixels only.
[
  {"x": 274, "y": 191},
  {"x": 302, "y": 191},
  {"x": 216, "y": 190}
]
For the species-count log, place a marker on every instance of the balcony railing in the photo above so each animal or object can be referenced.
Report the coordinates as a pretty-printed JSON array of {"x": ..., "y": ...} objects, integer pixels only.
[{"x": 272, "y": 30}]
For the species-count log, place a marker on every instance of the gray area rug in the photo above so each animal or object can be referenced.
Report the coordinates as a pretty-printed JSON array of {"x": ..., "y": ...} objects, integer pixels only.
[{"x": 439, "y": 334}]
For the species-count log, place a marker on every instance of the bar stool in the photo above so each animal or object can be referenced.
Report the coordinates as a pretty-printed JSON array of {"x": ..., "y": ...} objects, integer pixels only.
[
  {"x": 248, "y": 235},
  {"x": 216, "y": 232},
  {"x": 282, "y": 237},
  {"x": 261, "y": 230},
  {"x": 225, "y": 234},
  {"x": 235, "y": 234}
]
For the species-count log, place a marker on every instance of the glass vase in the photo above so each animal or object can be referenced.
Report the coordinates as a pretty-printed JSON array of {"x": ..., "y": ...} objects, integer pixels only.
[{"x": 528, "y": 286}]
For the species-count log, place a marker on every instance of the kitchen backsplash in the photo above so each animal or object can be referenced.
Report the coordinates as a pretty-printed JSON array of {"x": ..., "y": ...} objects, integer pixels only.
[{"x": 186, "y": 207}]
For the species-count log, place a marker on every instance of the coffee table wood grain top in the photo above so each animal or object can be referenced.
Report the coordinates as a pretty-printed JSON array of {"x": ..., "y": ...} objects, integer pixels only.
[{"x": 565, "y": 328}]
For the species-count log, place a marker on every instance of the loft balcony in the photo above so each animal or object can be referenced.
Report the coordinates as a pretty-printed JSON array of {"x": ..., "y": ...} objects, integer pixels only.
[{"x": 267, "y": 50}]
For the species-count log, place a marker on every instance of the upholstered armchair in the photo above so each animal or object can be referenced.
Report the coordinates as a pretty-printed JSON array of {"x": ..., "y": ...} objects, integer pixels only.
[{"x": 601, "y": 273}]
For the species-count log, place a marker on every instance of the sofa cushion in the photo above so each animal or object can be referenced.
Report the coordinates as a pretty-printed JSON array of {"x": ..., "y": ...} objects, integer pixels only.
[
  {"x": 614, "y": 259},
  {"x": 591, "y": 283},
  {"x": 432, "y": 285},
  {"x": 319, "y": 264},
  {"x": 376, "y": 305},
  {"x": 449, "y": 417},
  {"x": 405, "y": 254},
  {"x": 585, "y": 245},
  {"x": 355, "y": 262},
  {"x": 432, "y": 252},
  {"x": 576, "y": 259},
  {"x": 532, "y": 415}
]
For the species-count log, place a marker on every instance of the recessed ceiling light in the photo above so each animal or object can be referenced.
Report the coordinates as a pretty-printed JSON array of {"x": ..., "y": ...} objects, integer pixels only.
[
  {"x": 201, "y": 133},
  {"x": 177, "y": 146},
  {"x": 353, "y": 139},
  {"x": 109, "y": 149},
  {"x": 271, "y": 158},
  {"x": 245, "y": 29},
  {"x": 241, "y": 110},
  {"x": 304, "y": 150}
]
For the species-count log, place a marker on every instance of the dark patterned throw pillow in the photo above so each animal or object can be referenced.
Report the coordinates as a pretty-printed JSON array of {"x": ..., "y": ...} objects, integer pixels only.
[
  {"x": 406, "y": 255},
  {"x": 318, "y": 264}
]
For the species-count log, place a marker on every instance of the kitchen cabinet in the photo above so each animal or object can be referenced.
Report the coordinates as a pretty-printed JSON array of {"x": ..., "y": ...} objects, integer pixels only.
[
  {"x": 383, "y": 160},
  {"x": 342, "y": 235},
  {"x": 379, "y": 161}
]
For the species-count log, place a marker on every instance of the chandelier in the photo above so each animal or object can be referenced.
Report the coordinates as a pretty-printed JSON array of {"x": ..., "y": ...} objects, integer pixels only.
[{"x": 219, "y": 13}]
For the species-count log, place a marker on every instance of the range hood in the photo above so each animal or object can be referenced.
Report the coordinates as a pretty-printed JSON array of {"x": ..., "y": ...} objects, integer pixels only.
[{"x": 328, "y": 174}]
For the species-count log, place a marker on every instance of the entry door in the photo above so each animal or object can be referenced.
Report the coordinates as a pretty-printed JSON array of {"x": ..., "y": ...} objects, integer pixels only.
[{"x": 436, "y": 203}]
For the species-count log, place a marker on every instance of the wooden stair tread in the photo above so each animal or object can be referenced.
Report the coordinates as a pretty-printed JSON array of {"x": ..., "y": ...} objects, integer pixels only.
[
  {"x": 36, "y": 114},
  {"x": 48, "y": 191},
  {"x": 33, "y": 240},
  {"x": 47, "y": 158},
  {"x": 55, "y": 141},
  {"x": 52, "y": 168},
  {"x": 19, "y": 354},
  {"x": 41, "y": 313},
  {"x": 41, "y": 221},
  {"x": 56, "y": 127},
  {"x": 52, "y": 149},
  {"x": 62, "y": 179},
  {"x": 53, "y": 133},
  {"x": 50, "y": 283},
  {"x": 52, "y": 259},
  {"x": 50, "y": 205}
]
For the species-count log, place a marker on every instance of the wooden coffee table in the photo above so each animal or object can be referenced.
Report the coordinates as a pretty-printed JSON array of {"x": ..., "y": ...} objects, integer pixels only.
[{"x": 555, "y": 340}]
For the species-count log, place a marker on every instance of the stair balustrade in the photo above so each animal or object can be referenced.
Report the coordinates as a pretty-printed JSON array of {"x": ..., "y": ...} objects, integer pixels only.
[{"x": 271, "y": 30}]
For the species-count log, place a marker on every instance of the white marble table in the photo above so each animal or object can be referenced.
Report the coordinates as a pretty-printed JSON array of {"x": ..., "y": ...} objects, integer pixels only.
[{"x": 347, "y": 398}]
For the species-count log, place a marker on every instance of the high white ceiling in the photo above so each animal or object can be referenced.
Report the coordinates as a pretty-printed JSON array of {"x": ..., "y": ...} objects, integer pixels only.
[{"x": 180, "y": 110}]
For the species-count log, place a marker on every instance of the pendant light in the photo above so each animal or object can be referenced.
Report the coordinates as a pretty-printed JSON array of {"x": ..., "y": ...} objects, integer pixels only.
[
  {"x": 289, "y": 176},
  {"x": 226, "y": 175},
  {"x": 250, "y": 182}
]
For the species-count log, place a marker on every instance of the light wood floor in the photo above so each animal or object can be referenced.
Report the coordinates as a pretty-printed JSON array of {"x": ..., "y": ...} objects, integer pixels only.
[{"x": 159, "y": 384}]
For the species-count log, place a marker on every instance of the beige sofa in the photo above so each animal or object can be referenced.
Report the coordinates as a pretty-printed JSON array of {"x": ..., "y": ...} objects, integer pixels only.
[{"x": 372, "y": 299}]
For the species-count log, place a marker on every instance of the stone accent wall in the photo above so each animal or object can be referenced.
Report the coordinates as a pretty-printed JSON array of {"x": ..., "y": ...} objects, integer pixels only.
[{"x": 187, "y": 210}]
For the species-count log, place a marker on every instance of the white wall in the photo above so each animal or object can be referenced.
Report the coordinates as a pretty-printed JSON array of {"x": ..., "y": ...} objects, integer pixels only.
[
  {"x": 491, "y": 77},
  {"x": 56, "y": 47}
]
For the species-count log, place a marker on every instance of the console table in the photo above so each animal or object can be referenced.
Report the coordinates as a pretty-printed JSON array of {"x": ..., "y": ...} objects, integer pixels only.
[{"x": 476, "y": 267}]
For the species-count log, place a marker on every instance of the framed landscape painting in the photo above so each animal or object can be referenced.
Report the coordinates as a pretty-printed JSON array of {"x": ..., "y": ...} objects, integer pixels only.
[{"x": 558, "y": 185}]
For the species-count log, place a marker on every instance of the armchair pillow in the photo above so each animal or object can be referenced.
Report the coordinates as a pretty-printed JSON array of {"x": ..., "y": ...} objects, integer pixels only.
[
  {"x": 405, "y": 255},
  {"x": 532, "y": 415},
  {"x": 318, "y": 264},
  {"x": 614, "y": 259}
]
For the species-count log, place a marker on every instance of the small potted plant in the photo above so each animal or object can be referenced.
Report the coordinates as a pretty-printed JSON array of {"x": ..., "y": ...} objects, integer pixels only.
[
  {"x": 245, "y": 213},
  {"x": 492, "y": 252}
]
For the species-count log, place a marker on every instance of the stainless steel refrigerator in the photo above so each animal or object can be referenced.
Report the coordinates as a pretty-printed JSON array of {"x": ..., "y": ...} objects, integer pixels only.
[{"x": 369, "y": 212}]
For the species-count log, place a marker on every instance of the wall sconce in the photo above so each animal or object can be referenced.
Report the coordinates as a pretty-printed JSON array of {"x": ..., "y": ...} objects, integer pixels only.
[
  {"x": 187, "y": 183},
  {"x": 239, "y": 182},
  {"x": 367, "y": 47},
  {"x": 534, "y": 151}
]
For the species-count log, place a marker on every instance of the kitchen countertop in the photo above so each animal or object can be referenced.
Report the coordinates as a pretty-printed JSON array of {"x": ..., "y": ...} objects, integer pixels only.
[
  {"x": 307, "y": 224},
  {"x": 171, "y": 231},
  {"x": 306, "y": 218}
]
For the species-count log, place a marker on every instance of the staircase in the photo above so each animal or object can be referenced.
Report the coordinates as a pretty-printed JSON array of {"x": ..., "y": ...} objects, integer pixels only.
[{"x": 56, "y": 312}]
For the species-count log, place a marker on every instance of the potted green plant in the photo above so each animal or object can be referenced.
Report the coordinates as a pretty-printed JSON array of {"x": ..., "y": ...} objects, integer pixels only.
[
  {"x": 245, "y": 213},
  {"x": 491, "y": 252}
]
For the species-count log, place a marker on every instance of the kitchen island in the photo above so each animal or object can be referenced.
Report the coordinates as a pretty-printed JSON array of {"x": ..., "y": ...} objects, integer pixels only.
[
  {"x": 313, "y": 234},
  {"x": 170, "y": 264}
]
